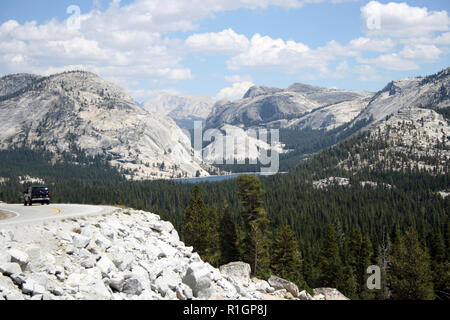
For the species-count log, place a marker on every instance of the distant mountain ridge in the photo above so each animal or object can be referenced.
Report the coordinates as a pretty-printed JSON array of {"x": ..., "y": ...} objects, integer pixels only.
[
  {"x": 184, "y": 110},
  {"x": 262, "y": 105}
]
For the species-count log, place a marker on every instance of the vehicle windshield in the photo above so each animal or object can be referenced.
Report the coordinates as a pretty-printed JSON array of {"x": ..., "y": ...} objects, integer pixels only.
[{"x": 39, "y": 189}]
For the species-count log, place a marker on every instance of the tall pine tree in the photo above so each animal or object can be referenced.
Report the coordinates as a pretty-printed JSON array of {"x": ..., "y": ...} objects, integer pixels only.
[
  {"x": 256, "y": 243},
  {"x": 228, "y": 235},
  {"x": 286, "y": 257},
  {"x": 199, "y": 229},
  {"x": 409, "y": 273},
  {"x": 330, "y": 264}
]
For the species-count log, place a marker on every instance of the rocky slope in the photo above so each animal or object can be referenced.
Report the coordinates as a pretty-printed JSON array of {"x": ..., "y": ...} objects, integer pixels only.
[
  {"x": 76, "y": 111},
  {"x": 407, "y": 118},
  {"x": 125, "y": 255},
  {"x": 432, "y": 92},
  {"x": 15, "y": 82},
  {"x": 184, "y": 110}
]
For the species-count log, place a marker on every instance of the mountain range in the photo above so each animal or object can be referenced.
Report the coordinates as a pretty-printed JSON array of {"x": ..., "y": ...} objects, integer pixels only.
[
  {"x": 423, "y": 102},
  {"x": 79, "y": 112}
]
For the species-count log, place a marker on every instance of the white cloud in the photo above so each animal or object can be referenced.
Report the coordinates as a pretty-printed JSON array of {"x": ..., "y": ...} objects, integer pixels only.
[
  {"x": 401, "y": 20},
  {"x": 267, "y": 53},
  {"x": 421, "y": 52},
  {"x": 236, "y": 91},
  {"x": 124, "y": 39},
  {"x": 392, "y": 61},
  {"x": 375, "y": 45},
  {"x": 224, "y": 42},
  {"x": 129, "y": 42}
]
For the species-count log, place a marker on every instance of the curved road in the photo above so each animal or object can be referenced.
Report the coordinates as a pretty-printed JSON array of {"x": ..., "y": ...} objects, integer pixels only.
[{"x": 38, "y": 212}]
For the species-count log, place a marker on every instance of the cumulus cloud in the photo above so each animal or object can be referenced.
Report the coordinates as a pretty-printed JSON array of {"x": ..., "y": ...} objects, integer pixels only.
[
  {"x": 236, "y": 91},
  {"x": 392, "y": 61},
  {"x": 267, "y": 53},
  {"x": 421, "y": 52},
  {"x": 401, "y": 20},
  {"x": 127, "y": 40},
  {"x": 375, "y": 45},
  {"x": 133, "y": 41},
  {"x": 224, "y": 42}
]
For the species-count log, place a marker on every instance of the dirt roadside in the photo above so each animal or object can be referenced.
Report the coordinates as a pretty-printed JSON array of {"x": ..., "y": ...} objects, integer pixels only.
[{"x": 5, "y": 214}]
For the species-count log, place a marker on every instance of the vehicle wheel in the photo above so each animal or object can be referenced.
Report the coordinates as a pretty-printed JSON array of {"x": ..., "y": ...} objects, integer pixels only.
[{"x": 48, "y": 202}]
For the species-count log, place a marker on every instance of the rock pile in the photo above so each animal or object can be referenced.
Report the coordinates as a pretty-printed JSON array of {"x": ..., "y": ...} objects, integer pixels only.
[
  {"x": 275, "y": 287},
  {"x": 128, "y": 254}
]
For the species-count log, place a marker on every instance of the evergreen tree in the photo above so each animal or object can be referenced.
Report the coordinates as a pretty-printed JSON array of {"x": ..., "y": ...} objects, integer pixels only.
[
  {"x": 196, "y": 225},
  {"x": 440, "y": 266},
  {"x": 360, "y": 255},
  {"x": 228, "y": 235},
  {"x": 256, "y": 246},
  {"x": 330, "y": 264},
  {"x": 409, "y": 273},
  {"x": 212, "y": 253},
  {"x": 286, "y": 257}
]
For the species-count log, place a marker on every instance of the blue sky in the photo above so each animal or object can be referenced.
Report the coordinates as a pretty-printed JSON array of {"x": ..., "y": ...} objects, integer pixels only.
[{"x": 219, "y": 48}]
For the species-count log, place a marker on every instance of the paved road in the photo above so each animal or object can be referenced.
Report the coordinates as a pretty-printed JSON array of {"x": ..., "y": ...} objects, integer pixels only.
[{"x": 38, "y": 212}]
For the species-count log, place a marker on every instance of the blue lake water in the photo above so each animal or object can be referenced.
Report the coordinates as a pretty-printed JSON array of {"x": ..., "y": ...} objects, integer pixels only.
[
  {"x": 211, "y": 178},
  {"x": 216, "y": 178}
]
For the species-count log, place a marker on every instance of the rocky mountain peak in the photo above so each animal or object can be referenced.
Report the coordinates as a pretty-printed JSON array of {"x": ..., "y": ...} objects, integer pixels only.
[
  {"x": 255, "y": 91},
  {"x": 81, "y": 111}
]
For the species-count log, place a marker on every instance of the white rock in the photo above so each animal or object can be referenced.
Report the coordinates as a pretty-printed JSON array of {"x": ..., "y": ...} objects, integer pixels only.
[
  {"x": 64, "y": 236},
  {"x": 166, "y": 249},
  {"x": 80, "y": 241},
  {"x": 132, "y": 285},
  {"x": 184, "y": 292},
  {"x": 88, "y": 262},
  {"x": 34, "y": 253},
  {"x": 49, "y": 258},
  {"x": 116, "y": 281},
  {"x": 105, "y": 265},
  {"x": 161, "y": 285},
  {"x": 329, "y": 294},
  {"x": 10, "y": 268},
  {"x": 174, "y": 235},
  {"x": 279, "y": 283},
  {"x": 172, "y": 279},
  {"x": 239, "y": 271},
  {"x": 18, "y": 256},
  {"x": 262, "y": 285},
  {"x": 303, "y": 295},
  {"x": 14, "y": 296},
  {"x": 123, "y": 261},
  {"x": 142, "y": 275},
  {"x": 102, "y": 241},
  {"x": 197, "y": 277}
]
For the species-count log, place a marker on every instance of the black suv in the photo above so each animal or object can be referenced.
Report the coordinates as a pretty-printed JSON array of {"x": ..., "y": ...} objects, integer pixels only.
[{"x": 36, "y": 194}]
